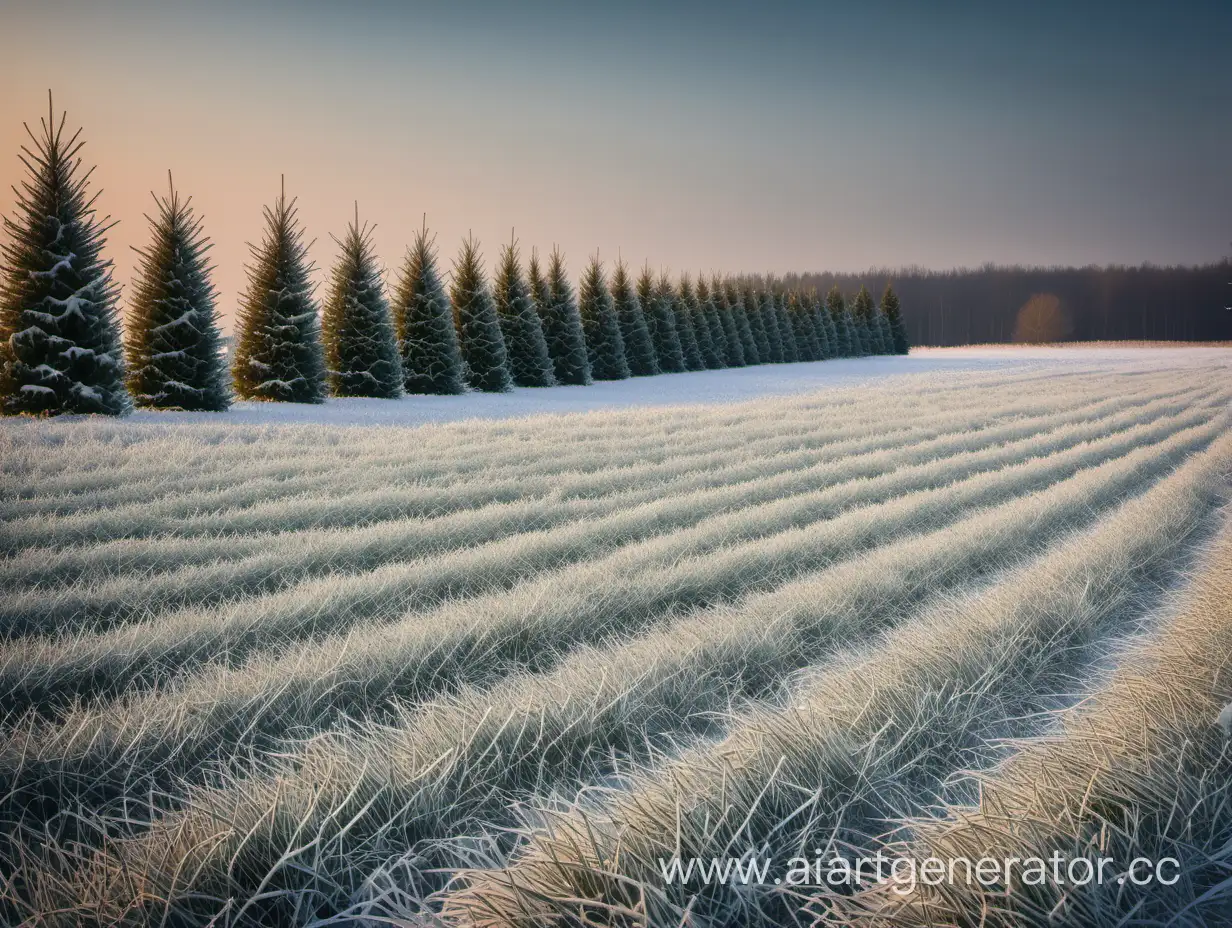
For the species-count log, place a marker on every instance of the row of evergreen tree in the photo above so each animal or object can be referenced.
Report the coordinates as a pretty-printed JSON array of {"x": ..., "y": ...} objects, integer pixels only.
[{"x": 61, "y": 351}]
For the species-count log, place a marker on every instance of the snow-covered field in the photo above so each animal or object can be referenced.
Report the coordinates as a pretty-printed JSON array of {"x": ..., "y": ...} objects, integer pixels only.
[
  {"x": 259, "y": 675},
  {"x": 722, "y": 386}
]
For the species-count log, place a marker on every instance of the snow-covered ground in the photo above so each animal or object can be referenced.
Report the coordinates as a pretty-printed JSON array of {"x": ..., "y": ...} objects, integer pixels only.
[{"x": 722, "y": 386}]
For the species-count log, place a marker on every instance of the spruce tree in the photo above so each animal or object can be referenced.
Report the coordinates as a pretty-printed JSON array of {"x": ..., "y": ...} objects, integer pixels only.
[
  {"x": 812, "y": 308},
  {"x": 423, "y": 323},
  {"x": 826, "y": 325},
  {"x": 639, "y": 349},
  {"x": 60, "y": 347},
  {"x": 711, "y": 359},
  {"x": 808, "y": 346},
  {"x": 862, "y": 311},
  {"x": 604, "y": 345},
  {"x": 661, "y": 321},
  {"x": 174, "y": 347},
  {"x": 770, "y": 321},
  {"x": 361, "y": 349},
  {"x": 787, "y": 332},
  {"x": 278, "y": 351},
  {"x": 479, "y": 332},
  {"x": 685, "y": 327},
  {"x": 562, "y": 324},
  {"x": 731, "y": 332},
  {"x": 894, "y": 316},
  {"x": 757, "y": 323},
  {"x": 714, "y": 325},
  {"x": 836, "y": 306},
  {"x": 529, "y": 361},
  {"x": 744, "y": 328},
  {"x": 854, "y": 333},
  {"x": 885, "y": 339}
]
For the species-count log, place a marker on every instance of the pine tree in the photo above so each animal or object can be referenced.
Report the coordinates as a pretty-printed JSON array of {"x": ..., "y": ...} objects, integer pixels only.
[
  {"x": 757, "y": 324},
  {"x": 714, "y": 324},
  {"x": 278, "y": 351},
  {"x": 423, "y": 322},
  {"x": 711, "y": 359},
  {"x": 825, "y": 325},
  {"x": 837, "y": 308},
  {"x": 787, "y": 333},
  {"x": 885, "y": 339},
  {"x": 894, "y": 316},
  {"x": 60, "y": 348},
  {"x": 770, "y": 321},
  {"x": 479, "y": 332},
  {"x": 639, "y": 349},
  {"x": 174, "y": 347},
  {"x": 661, "y": 321},
  {"x": 808, "y": 346},
  {"x": 812, "y": 309},
  {"x": 361, "y": 350},
  {"x": 744, "y": 329},
  {"x": 731, "y": 332},
  {"x": 689, "y": 346},
  {"x": 529, "y": 361},
  {"x": 604, "y": 345},
  {"x": 862, "y": 312},
  {"x": 562, "y": 324}
]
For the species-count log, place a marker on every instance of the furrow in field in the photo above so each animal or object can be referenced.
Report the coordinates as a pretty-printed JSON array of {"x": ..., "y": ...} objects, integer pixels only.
[
  {"x": 531, "y": 455},
  {"x": 46, "y": 673},
  {"x": 867, "y": 737},
  {"x": 251, "y": 508},
  {"x": 1138, "y": 771},
  {"x": 94, "y": 455},
  {"x": 473, "y": 448},
  {"x": 259, "y": 508},
  {"x": 548, "y": 453},
  {"x": 796, "y": 449},
  {"x": 459, "y": 761},
  {"x": 479, "y": 643},
  {"x": 599, "y": 525}
]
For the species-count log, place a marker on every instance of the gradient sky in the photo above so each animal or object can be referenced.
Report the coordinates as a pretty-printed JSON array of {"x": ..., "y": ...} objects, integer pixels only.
[{"x": 715, "y": 136}]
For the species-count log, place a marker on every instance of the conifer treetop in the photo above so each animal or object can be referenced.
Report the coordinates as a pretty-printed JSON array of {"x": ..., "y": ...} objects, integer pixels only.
[
  {"x": 174, "y": 345},
  {"x": 479, "y": 330},
  {"x": 278, "y": 351},
  {"x": 604, "y": 344},
  {"x": 60, "y": 345},
  {"x": 424, "y": 323},
  {"x": 529, "y": 361},
  {"x": 562, "y": 325},
  {"x": 361, "y": 351}
]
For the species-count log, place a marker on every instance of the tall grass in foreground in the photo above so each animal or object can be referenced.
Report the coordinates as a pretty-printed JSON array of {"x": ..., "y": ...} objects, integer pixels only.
[
  {"x": 869, "y": 735},
  {"x": 482, "y": 639},
  {"x": 309, "y": 832},
  {"x": 1142, "y": 769}
]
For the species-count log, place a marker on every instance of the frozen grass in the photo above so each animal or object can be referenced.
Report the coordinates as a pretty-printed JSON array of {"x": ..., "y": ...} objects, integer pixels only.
[
  {"x": 446, "y": 765},
  {"x": 875, "y": 731},
  {"x": 482, "y": 637},
  {"x": 561, "y": 464},
  {"x": 509, "y": 541},
  {"x": 267, "y": 675},
  {"x": 1141, "y": 769}
]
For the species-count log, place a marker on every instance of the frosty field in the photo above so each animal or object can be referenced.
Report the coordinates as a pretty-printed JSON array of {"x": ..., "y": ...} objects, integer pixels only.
[{"x": 361, "y": 664}]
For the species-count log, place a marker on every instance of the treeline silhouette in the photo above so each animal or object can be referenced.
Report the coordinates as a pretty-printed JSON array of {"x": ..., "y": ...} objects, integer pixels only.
[{"x": 977, "y": 305}]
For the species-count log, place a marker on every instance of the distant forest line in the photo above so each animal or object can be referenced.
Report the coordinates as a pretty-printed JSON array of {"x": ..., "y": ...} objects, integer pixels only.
[{"x": 980, "y": 305}]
